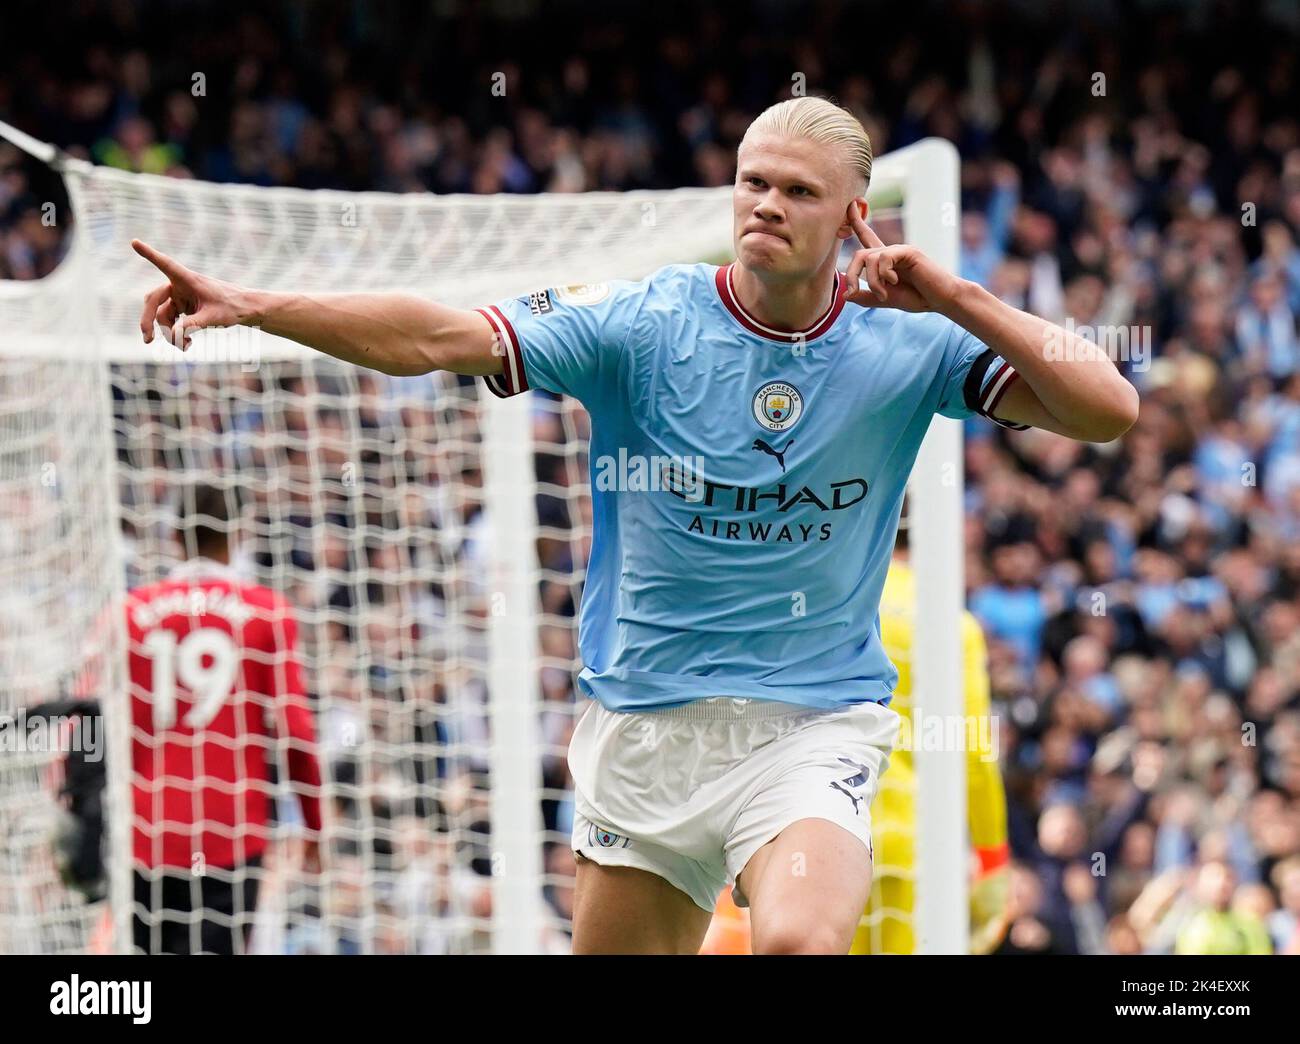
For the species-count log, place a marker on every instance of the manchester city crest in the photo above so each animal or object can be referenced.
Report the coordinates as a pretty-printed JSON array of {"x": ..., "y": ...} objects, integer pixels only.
[
  {"x": 605, "y": 838},
  {"x": 777, "y": 406}
]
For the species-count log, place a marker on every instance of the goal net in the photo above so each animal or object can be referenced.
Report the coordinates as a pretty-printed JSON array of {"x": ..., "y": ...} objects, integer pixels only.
[{"x": 431, "y": 540}]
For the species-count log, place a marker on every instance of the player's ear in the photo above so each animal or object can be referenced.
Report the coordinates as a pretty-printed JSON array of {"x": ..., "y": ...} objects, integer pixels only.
[{"x": 857, "y": 207}]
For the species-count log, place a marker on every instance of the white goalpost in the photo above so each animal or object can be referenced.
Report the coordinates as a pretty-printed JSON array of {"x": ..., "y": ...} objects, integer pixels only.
[
  {"x": 431, "y": 538},
  {"x": 931, "y": 204}
]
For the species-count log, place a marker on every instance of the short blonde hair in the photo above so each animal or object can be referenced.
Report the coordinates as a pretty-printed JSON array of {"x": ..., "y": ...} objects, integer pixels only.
[{"x": 821, "y": 121}]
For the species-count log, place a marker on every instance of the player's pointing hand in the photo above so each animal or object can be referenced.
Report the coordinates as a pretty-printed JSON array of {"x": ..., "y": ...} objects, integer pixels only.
[
  {"x": 187, "y": 301},
  {"x": 898, "y": 276}
]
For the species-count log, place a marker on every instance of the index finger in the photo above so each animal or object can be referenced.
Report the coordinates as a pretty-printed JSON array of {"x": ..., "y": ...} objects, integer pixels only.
[
  {"x": 169, "y": 267},
  {"x": 866, "y": 234}
]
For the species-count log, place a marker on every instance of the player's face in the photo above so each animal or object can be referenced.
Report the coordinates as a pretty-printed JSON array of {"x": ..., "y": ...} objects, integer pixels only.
[{"x": 790, "y": 205}]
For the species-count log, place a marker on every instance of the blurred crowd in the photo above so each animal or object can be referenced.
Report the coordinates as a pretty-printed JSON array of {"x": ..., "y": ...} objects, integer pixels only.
[{"x": 1139, "y": 176}]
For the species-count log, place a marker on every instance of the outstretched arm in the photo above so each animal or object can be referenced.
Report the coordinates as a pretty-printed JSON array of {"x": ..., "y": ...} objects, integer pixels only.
[
  {"x": 398, "y": 334},
  {"x": 1068, "y": 384}
]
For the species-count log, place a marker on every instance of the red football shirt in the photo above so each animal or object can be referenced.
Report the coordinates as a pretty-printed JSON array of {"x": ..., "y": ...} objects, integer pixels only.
[{"x": 215, "y": 686}]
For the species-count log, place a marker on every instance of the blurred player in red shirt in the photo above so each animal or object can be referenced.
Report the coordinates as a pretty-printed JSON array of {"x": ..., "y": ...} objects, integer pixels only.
[{"x": 216, "y": 694}]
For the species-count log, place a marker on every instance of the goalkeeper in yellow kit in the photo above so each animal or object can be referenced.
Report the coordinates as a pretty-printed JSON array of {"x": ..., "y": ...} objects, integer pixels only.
[{"x": 887, "y": 923}]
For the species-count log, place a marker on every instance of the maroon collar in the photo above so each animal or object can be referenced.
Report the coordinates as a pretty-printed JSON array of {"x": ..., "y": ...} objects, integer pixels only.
[{"x": 727, "y": 292}]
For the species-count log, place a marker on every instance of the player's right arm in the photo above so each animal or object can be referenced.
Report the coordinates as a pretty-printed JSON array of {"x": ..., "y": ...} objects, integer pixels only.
[{"x": 398, "y": 334}]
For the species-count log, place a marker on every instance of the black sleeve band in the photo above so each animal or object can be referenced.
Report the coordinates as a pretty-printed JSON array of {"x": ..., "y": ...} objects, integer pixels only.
[{"x": 983, "y": 391}]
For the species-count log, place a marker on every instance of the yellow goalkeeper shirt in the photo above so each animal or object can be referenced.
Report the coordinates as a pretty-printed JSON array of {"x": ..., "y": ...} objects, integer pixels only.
[{"x": 887, "y": 924}]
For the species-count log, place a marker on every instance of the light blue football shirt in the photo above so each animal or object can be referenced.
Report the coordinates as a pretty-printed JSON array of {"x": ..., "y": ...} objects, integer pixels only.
[{"x": 746, "y": 482}]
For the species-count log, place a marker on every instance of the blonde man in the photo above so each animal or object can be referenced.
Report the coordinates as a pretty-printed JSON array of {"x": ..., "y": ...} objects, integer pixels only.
[{"x": 728, "y": 627}]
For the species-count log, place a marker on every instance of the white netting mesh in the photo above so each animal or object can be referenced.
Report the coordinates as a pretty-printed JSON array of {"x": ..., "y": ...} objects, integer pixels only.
[
  {"x": 58, "y": 568},
  {"x": 461, "y": 250},
  {"x": 361, "y": 502}
]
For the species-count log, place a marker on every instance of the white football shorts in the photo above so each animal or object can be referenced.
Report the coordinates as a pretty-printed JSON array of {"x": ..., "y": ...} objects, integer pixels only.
[{"x": 691, "y": 793}]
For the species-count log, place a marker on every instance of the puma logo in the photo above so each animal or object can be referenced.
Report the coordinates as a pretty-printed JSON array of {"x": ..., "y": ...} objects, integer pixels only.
[
  {"x": 759, "y": 444},
  {"x": 856, "y": 800},
  {"x": 859, "y": 779}
]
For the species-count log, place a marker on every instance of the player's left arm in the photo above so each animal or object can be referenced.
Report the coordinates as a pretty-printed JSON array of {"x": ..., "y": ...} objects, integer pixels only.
[
  {"x": 1072, "y": 389},
  {"x": 1067, "y": 385}
]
